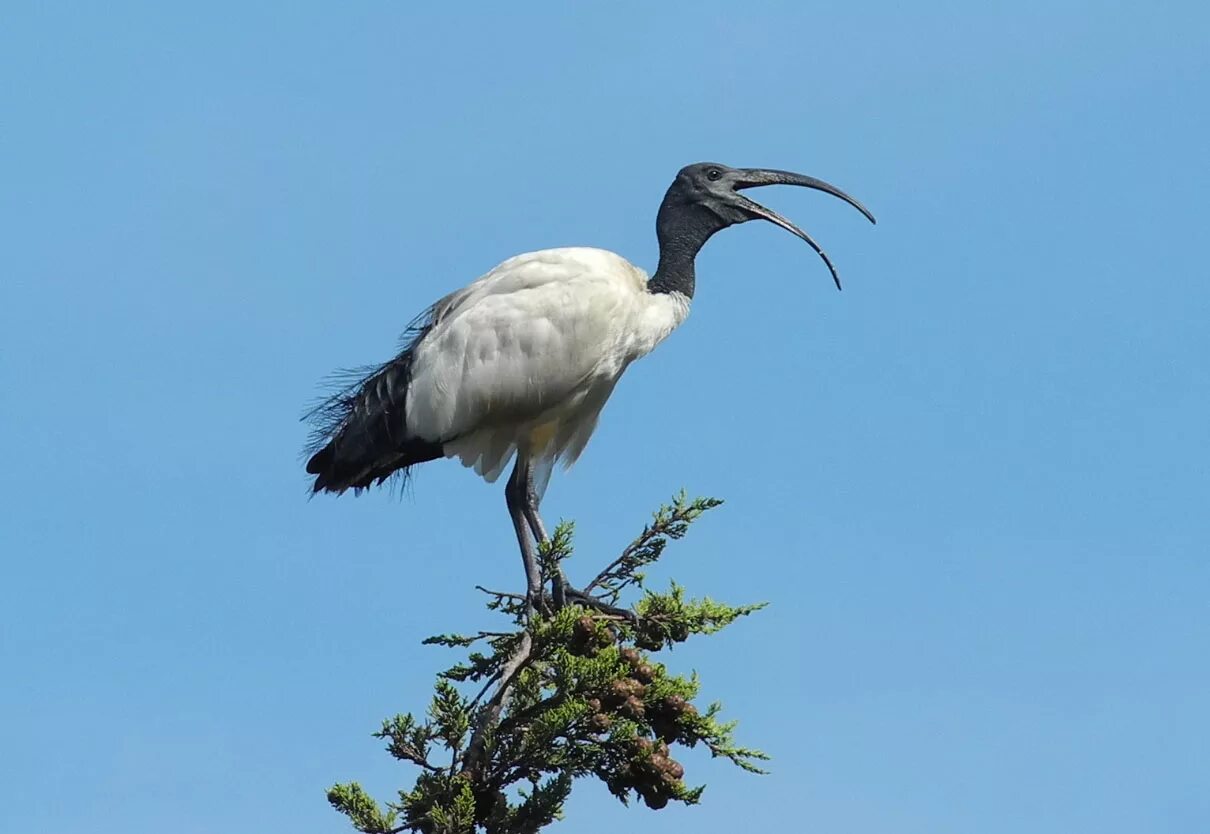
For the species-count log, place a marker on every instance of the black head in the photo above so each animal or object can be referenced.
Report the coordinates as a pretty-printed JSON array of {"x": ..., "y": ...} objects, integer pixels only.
[{"x": 706, "y": 197}]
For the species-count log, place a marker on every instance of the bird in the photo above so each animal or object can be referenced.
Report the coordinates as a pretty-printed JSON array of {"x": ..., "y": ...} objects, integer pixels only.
[{"x": 517, "y": 365}]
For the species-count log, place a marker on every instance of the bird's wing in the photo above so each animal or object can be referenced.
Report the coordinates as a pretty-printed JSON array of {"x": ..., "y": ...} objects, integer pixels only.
[{"x": 520, "y": 341}]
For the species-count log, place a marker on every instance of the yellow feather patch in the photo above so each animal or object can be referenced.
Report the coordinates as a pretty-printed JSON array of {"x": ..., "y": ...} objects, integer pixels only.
[{"x": 541, "y": 436}]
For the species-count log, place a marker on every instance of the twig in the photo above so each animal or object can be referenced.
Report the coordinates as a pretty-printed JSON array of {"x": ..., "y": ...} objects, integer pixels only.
[
  {"x": 494, "y": 677},
  {"x": 647, "y": 535},
  {"x": 504, "y": 594},
  {"x": 670, "y": 525},
  {"x": 413, "y": 755},
  {"x": 491, "y": 711}
]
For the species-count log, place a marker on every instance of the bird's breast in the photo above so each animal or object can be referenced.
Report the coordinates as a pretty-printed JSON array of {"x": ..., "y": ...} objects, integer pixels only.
[{"x": 655, "y": 316}]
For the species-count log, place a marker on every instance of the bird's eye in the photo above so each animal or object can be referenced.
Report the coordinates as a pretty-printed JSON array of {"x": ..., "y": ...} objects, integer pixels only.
[{"x": 713, "y": 174}]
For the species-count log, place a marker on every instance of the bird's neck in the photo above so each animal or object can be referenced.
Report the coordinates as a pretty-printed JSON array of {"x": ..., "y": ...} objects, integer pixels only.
[{"x": 682, "y": 230}]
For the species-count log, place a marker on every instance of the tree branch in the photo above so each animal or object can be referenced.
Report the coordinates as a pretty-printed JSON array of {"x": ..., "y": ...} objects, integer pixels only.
[
  {"x": 577, "y": 692},
  {"x": 490, "y": 713}
]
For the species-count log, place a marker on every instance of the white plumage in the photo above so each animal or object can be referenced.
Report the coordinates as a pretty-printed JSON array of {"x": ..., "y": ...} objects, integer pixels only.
[{"x": 526, "y": 356}]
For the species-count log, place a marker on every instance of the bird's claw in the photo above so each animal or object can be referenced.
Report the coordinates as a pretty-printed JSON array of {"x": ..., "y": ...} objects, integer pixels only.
[{"x": 565, "y": 595}]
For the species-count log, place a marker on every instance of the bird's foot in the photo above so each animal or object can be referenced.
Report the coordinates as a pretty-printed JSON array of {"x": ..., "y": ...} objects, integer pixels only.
[
  {"x": 540, "y": 604},
  {"x": 565, "y": 595}
]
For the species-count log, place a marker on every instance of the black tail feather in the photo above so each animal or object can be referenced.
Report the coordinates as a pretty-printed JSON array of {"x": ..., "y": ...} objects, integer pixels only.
[
  {"x": 361, "y": 435},
  {"x": 335, "y": 472}
]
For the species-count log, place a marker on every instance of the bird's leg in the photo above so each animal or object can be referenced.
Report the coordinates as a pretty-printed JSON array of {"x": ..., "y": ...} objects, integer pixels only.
[
  {"x": 534, "y": 518},
  {"x": 514, "y": 494},
  {"x": 560, "y": 587}
]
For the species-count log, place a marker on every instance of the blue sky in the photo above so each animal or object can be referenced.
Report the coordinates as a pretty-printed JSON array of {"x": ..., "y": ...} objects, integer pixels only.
[{"x": 973, "y": 486}]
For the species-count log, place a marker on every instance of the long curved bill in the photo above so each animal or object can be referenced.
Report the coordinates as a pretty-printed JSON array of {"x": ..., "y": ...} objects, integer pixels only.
[{"x": 753, "y": 177}]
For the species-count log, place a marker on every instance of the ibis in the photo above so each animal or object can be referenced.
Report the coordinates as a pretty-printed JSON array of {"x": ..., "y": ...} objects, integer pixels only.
[{"x": 517, "y": 365}]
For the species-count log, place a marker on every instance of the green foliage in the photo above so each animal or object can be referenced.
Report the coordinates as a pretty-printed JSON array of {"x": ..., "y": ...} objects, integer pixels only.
[
  {"x": 576, "y": 693},
  {"x": 361, "y": 810}
]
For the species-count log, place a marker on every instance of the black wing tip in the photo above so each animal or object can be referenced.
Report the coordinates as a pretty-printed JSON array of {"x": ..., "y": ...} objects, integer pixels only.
[
  {"x": 322, "y": 464},
  {"x": 320, "y": 461},
  {"x": 337, "y": 477}
]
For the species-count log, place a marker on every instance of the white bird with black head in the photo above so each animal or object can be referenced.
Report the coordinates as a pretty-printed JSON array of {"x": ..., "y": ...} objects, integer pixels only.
[{"x": 519, "y": 363}]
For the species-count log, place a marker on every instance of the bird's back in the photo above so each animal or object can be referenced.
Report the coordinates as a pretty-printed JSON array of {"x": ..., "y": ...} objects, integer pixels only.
[
  {"x": 527, "y": 339},
  {"x": 525, "y": 343}
]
